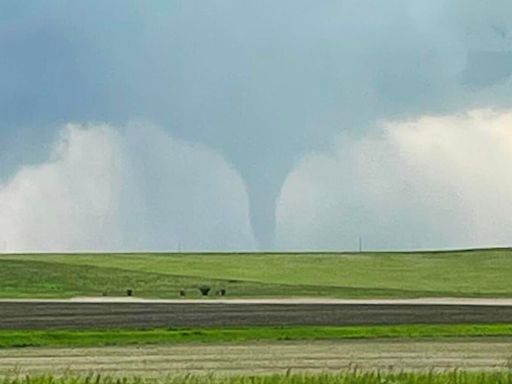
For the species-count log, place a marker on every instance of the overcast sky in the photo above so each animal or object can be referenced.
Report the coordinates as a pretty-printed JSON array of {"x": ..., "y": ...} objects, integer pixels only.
[{"x": 243, "y": 125}]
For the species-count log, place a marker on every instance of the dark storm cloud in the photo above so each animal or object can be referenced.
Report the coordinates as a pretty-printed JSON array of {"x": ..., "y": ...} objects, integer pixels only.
[{"x": 262, "y": 82}]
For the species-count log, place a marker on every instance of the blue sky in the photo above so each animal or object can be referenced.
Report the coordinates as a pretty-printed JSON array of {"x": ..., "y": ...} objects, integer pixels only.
[{"x": 263, "y": 88}]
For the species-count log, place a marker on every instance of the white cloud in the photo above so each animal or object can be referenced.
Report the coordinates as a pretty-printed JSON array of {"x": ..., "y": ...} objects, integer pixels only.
[
  {"x": 68, "y": 203},
  {"x": 180, "y": 195},
  {"x": 104, "y": 189},
  {"x": 428, "y": 183}
]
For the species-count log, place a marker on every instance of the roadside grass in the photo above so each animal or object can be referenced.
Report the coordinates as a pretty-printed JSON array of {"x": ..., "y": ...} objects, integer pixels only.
[
  {"x": 122, "y": 337},
  {"x": 355, "y": 377},
  {"x": 474, "y": 273}
]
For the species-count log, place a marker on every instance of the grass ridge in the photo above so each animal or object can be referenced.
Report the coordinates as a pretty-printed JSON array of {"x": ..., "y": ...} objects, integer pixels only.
[{"x": 470, "y": 273}]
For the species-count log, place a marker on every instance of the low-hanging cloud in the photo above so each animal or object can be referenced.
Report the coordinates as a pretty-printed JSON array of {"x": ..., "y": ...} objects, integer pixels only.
[
  {"x": 69, "y": 202},
  {"x": 124, "y": 189},
  {"x": 181, "y": 196},
  {"x": 423, "y": 183}
]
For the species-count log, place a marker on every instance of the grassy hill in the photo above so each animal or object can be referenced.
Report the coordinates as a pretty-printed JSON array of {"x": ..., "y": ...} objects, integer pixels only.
[{"x": 475, "y": 273}]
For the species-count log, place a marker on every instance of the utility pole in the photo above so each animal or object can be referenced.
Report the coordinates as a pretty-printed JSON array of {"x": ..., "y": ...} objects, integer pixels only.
[{"x": 360, "y": 244}]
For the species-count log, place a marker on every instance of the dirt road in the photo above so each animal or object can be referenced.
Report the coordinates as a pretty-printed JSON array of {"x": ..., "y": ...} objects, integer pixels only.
[{"x": 261, "y": 358}]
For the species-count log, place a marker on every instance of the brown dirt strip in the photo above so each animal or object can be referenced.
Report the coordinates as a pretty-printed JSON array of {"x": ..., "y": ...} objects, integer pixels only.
[
  {"x": 261, "y": 358},
  {"x": 79, "y": 315}
]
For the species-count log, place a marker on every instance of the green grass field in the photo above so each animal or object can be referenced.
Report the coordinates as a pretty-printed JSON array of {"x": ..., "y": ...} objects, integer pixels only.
[
  {"x": 477, "y": 273},
  {"x": 123, "y": 337}
]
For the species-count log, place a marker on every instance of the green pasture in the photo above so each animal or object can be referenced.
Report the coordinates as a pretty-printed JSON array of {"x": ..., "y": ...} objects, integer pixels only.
[{"x": 476, "y": 273}]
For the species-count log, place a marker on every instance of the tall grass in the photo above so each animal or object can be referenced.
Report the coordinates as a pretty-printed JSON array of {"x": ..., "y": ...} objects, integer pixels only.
[{"x": 454, "y": 377}]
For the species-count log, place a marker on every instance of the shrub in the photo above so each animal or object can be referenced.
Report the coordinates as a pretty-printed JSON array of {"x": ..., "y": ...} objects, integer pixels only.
[
  {"x": 129, "y": 292},
  {"x": 204, "y": 289},
  {"x": 222, "y": 292},
  {"x": 182, "y": 292}
]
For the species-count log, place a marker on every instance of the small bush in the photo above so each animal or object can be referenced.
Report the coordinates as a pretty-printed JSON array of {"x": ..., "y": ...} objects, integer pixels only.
[
  {"x": 129, "y": 292},
  {"x": 182, "y": 292},
  {"x": 222, "y": 292},
  {"x": 205, "y": 290}
]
